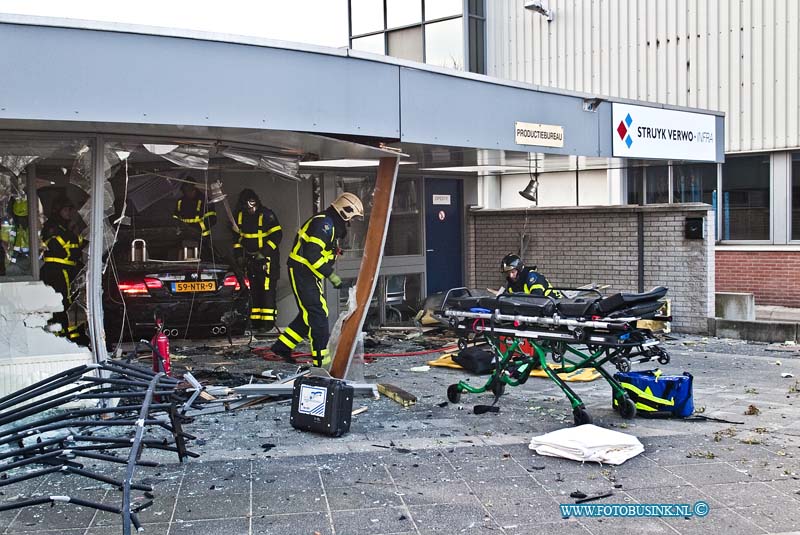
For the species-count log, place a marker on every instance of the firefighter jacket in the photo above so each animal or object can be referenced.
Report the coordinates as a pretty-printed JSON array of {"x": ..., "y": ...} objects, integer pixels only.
[
  {"x": 260, "y": 232},
  {"x": 62, "y": 245},
  {"x": 532, "y": 282},
  {"x": 194, "y": 213},
  {"x": 315, "y": 244}
]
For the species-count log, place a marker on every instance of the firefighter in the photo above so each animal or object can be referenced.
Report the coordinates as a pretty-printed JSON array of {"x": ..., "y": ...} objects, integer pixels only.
[
  {"x": 62, "y": 259},
  {"x": 260, "y": 236},
  {"x": 522, "y": 279},
  {"x": 191, "y": 210},
  {"x": 310, "y": 262}
]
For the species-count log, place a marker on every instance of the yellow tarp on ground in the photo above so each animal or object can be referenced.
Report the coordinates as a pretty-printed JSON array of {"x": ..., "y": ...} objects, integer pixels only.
[{"x": 582, "y": 375}]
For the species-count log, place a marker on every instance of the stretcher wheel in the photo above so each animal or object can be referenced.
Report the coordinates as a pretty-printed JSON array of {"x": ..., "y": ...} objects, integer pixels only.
[
  {"x": 462, "y": 344},
  {"x": 663, "y": 359},
  {"x": 453, "y": 394},
  {"x": 498, "y": 387},
  {"x": 557, "y": 358},
  {"x": 624, "y": 364},
  {"x": 453, "y": 323},
  {"x": 581, "y": 415},
  {"x": 627, "y": 408}
]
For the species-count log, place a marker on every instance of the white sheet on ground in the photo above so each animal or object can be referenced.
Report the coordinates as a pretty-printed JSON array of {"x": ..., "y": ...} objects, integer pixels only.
[{"x": 588, "y": 443}]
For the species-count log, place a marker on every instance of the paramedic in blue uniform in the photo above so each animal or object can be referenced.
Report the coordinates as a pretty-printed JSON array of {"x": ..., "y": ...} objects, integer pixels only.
[
  {"x": 260, "y": 236},
  {"x": 310, "y": 263},
  {"x": 522, "y": 279}
]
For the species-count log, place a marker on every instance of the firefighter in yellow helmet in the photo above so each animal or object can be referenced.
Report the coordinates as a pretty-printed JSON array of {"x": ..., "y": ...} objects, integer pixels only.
[
  {"x": 310, "y": 262},
  {"x": 62, "y": 259}
]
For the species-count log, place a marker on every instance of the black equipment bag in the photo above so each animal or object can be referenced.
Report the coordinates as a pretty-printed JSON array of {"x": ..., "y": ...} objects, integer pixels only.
[
  {"x": 475, "y": 360},
  {"x": 322, "y": 405}
]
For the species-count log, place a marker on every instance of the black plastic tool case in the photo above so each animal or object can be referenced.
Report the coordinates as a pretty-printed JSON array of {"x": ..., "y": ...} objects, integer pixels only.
[{"x": 322, "y": 405}]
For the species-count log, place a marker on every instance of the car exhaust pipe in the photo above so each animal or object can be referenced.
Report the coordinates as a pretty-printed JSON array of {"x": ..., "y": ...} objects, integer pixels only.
[
  {"x": 223, "y": 330},
  {"x": 215, "y": 330}
]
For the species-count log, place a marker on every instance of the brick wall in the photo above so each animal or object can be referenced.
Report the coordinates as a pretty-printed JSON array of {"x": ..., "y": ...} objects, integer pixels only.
[
  {"x": 773, "y": 277},
  {"x": 577, "y": 246}
]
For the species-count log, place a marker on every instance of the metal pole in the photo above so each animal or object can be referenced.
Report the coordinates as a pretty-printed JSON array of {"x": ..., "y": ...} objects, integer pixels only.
[{"x": 94, "y": 271}]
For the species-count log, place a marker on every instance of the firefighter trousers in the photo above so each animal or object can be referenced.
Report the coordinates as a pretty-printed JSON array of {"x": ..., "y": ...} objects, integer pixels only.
[
  {"x": 312, "y": 319},
  {"x": 60, "y": 277},
  {"x": 262, "y": 293}
]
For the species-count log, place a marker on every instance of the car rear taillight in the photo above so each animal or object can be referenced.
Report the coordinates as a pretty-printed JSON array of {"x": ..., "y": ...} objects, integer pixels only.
[
  {"x": 231, "y": 280},
  {"x": 132, "y": 288},
  {"x": 152, "y": 283},
  {"x": 140, "y": 289}
]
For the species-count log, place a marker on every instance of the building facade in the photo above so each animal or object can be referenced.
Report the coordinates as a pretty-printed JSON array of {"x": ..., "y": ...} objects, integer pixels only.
[{"x": 740, "y": 57}]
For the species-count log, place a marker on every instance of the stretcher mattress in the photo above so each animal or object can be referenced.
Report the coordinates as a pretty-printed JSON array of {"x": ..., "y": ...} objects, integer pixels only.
[{"x": 639, "y": 305}]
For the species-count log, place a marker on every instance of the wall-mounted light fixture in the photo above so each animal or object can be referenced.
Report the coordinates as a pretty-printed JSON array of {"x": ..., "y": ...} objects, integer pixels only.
[{"x": 538, "y": 7}]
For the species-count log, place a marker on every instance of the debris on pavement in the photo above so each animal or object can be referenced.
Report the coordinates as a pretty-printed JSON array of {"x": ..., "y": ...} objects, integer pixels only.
[
  {"x": 588, "y": 442},
  {"x": 752, "y": 410},
  {"x": 397, "y": 394}
]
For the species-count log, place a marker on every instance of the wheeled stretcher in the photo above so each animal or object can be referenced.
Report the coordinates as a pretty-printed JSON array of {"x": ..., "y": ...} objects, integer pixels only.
[{"x": 583, "y": 331}]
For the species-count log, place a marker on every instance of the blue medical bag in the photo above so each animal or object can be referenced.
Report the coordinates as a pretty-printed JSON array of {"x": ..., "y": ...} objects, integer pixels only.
[{"x": 658, "y": 395}]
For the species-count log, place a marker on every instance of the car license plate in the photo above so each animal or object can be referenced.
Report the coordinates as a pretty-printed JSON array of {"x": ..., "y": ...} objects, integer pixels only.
[{"x": 202, "y": 286}]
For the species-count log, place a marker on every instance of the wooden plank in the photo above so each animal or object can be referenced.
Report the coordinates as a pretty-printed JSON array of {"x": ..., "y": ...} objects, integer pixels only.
[
  {"x": 397, "y": 394},
  {"x": 370, "y": 263}
]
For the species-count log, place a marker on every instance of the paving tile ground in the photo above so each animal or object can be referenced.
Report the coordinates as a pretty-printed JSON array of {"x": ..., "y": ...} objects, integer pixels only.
[{"x": 438, "y": 468}]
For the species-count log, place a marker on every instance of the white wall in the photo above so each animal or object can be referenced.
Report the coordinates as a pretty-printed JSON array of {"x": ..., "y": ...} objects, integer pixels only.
[{"x": 557, "y": 189}]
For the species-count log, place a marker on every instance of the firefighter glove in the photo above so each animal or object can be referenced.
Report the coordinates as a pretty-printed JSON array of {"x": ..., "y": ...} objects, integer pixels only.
[{"x": 335, "y": 279}]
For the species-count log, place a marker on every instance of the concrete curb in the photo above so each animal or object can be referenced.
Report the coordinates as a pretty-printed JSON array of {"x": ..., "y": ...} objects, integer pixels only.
[{"x": 757, "y": 331}]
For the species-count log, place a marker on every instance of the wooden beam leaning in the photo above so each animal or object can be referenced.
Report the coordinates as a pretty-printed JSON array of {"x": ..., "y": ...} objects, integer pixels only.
[{"x": 370, "y": 262}]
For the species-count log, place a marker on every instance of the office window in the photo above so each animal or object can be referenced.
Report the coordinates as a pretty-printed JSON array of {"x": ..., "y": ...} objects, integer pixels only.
[
  {"x": 745, "y": 198},
  {"x": 657, "y": 184},
  {"x": 433, "y": 34},
  {"x": 795, "y": 196},
  {"x": 366, "y": 16},
  {"x": 370, "y": 43},
  {"x": 444, "y": 44},
  {"x": 402, "y": 13},
  {"x": 437, "y": 9},
  {"x": 694, "y": 183},
  {"x": 635, "y": 183}
]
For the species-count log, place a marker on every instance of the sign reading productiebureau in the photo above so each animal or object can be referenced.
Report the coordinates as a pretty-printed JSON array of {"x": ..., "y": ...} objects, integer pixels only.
[
  {"x": 544, "y": 135},
  {"x": 643, "y": 132}
]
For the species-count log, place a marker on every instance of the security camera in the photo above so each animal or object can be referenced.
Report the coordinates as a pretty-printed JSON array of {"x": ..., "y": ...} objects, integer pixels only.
[{"x": 537, "y": 6}]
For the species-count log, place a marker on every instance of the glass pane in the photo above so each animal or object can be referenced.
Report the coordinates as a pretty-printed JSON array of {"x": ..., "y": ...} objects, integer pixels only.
[
  {"x": 477, "y": 51},
  {"x": 444, "y": 44},
  {"x": 635, "y": 180},
  {"x": 745, "y": 198},
  {"x": 436, "y": 9},
  {"x": 796, "y": 196},
  {"x": 403, "y": 12},
  {"x": 401, "y": 302},
  {"x": 371, "y": 43},
  {"x": 657, "y": 185},
  {"x": 476, "y": 7},
  {"x": 58, "y": 171},
  {"x": 694, "y": 183},
  {"x": 366, "y": 16},
  {"x": 404, "y": 236},
  {"x": 406, "y": 44}
]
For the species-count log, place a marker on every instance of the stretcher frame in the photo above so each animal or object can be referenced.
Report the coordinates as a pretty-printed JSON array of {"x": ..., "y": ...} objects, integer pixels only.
[{"x": 603, "y": 340}]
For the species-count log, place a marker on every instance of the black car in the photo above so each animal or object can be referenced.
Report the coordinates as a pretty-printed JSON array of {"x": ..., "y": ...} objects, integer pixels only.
[{"x": 149, "y": 277}]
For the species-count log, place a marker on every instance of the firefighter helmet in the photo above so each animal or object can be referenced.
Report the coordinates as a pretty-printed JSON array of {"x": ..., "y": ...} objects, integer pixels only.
[
  {"x": 348, "y": 206},
  {"x": 510, "y": 262}
]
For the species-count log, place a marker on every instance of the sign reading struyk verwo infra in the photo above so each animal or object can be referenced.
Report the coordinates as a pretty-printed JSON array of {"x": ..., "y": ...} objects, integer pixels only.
[
  {"x": 544, "y": 135},
  {"x": 643, "y": 132}
]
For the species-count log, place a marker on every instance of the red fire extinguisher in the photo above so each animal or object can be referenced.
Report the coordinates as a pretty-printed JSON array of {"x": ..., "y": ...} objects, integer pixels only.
[{"x": 160, "y": 343}]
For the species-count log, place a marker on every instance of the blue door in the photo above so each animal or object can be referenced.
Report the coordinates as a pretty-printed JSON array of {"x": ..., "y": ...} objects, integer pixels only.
[{"x": 443, "y": 234}]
